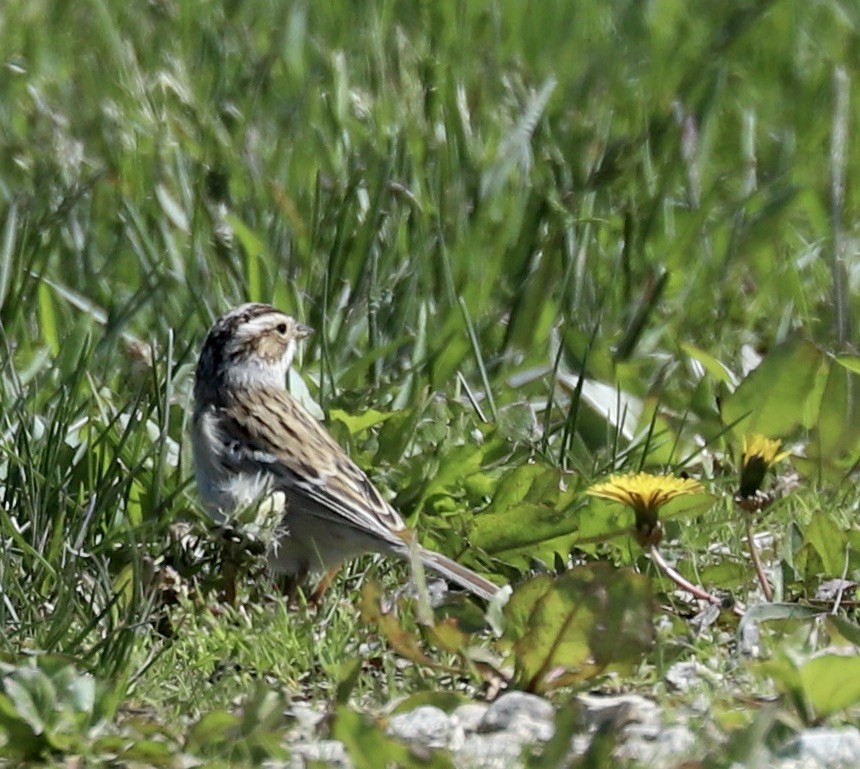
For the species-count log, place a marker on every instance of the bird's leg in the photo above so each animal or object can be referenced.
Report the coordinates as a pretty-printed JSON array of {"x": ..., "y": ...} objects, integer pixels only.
[
  {"x": 229, "y": 564},
  {"x": 291, "y": 583},
  {"x": 230, "y": 579},
  {"x": 323, "y": 585}
]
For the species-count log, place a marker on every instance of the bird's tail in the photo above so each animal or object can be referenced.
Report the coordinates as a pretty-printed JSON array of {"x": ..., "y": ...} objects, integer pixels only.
[{"x": 464, "y": 577}]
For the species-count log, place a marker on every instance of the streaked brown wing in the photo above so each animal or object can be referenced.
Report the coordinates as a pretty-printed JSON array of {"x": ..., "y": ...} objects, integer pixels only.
[{"x": 270, "y": 430}]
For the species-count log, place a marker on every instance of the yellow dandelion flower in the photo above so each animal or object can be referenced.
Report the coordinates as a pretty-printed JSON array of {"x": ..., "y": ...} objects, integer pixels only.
[
  {"x": 760, "y": 453},
  {"x": 646, "y": 494},
  {"x": 766, "y": 449}
]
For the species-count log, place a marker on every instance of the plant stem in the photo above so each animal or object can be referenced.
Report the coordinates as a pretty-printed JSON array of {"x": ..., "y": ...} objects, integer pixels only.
[
  {"x": 759, "y": 569},
  {"x": 694, "y": 590}
]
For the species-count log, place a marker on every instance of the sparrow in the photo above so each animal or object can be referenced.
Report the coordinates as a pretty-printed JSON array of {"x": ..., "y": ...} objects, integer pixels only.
[{"x": 254, "y": 444}]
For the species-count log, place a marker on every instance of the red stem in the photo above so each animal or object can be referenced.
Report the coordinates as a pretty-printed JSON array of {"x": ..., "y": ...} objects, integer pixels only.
[{"x": 694, "y": 590}]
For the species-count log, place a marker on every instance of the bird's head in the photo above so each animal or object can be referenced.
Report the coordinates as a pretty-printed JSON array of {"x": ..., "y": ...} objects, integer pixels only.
[{"x": 251, "y": 345}]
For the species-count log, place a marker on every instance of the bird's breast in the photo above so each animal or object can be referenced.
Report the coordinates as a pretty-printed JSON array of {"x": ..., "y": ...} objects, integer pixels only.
[{"x": 223, "y": 488}]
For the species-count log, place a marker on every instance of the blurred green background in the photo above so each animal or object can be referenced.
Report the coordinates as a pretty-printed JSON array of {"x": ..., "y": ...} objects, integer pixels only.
[{"x": 471, "y": 202}]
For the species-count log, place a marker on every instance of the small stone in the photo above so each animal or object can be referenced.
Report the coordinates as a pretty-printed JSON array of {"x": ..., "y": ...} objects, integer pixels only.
[
  {"x": 469, "y": 715},
  {"x": 701, "y": 704},
  {"x": 620, "y": 710},
  {"x": 663, "y": 746},
  {"x": 837, "y": 748},
  {"x": 429, "y": 726},
  {"x": 683, "y": 676},
  {"x": 329, "y": 752},
  {"x": 829, "y": 590},
  {"x": 749, "y": 639},
  {"x": 527, "y": 716},
  {"x": 307, "y": 717},
  {"x": 500, "y": 750}
]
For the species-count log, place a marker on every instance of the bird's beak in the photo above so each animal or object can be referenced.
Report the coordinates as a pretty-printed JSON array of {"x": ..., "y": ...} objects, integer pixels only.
[{"x": 303, "y": 331}]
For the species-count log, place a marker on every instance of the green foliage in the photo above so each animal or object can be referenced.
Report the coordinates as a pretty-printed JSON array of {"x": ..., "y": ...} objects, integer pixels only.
[
  {"x": 817, "y": 687},
  {"x": 570, "y": 629},
  {"x": 538, "y": 243},
  {"x": 250, "y": 736},
  {"x": 530, "y": 517},
  {"x": 46, "y": 706},
  {"x": 781, "y": 394},
  {"x": 798, "y": 386}
]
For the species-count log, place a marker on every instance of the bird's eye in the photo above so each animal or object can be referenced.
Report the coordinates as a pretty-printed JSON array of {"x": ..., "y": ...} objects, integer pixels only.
[{"x": 281, "y": 328}]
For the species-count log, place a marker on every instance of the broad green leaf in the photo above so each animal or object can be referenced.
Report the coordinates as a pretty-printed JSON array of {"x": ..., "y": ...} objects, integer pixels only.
[
  {"x": 521, "y": 483},
  {"x": 831, "y": 682},
  {"x": 516, "y": 422},
  {"x": 770, "y": 612},
  {"x": 715, "y": 368},
  {"x": 781, "y": 394},
  {"x": 33, "y": 695},
  {"x": 17, "y": 736},
  {"x": 251, "y": 732},
  {"x": 454, "y": 465},
  {"x": 727, "y": 574},
  {"x": 19, "y": 717},
  {"x": 530, "y": 516},
  {"x": 835, "y": 443},
  {"x": 348, "y": 677},
  {"x": 447, "y": 636},
  {"x": 59, "y": 705},
  {"x": 601, "y": 519},
  {"x": 572, "y": 627},
  {"x": 355, "y": 423},
  {"x": 149, "y": 752},
  {"x": 78, "y": 690},
  {"x": 479, "y": 486},
  {"x": 521, "y": 604},
  {"x": 211, "y": 729},
  {"x": 849, "y": 630},
  {"x": 744, "y": 738},
  {"x": 851, "y": 362},
  {"x": 785, "y": 671},
  {"x": 396, "y": 434},
  {"x": 262, "y": 711},
  {"x": 829, "y": 541}
]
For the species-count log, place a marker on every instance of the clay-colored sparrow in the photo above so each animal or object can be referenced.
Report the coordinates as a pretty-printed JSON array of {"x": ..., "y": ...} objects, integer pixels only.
[{"x": 255, "y": 445}]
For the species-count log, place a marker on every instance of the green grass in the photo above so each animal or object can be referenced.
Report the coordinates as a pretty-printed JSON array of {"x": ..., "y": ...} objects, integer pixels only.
[{"x": 471, "y": 203}]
